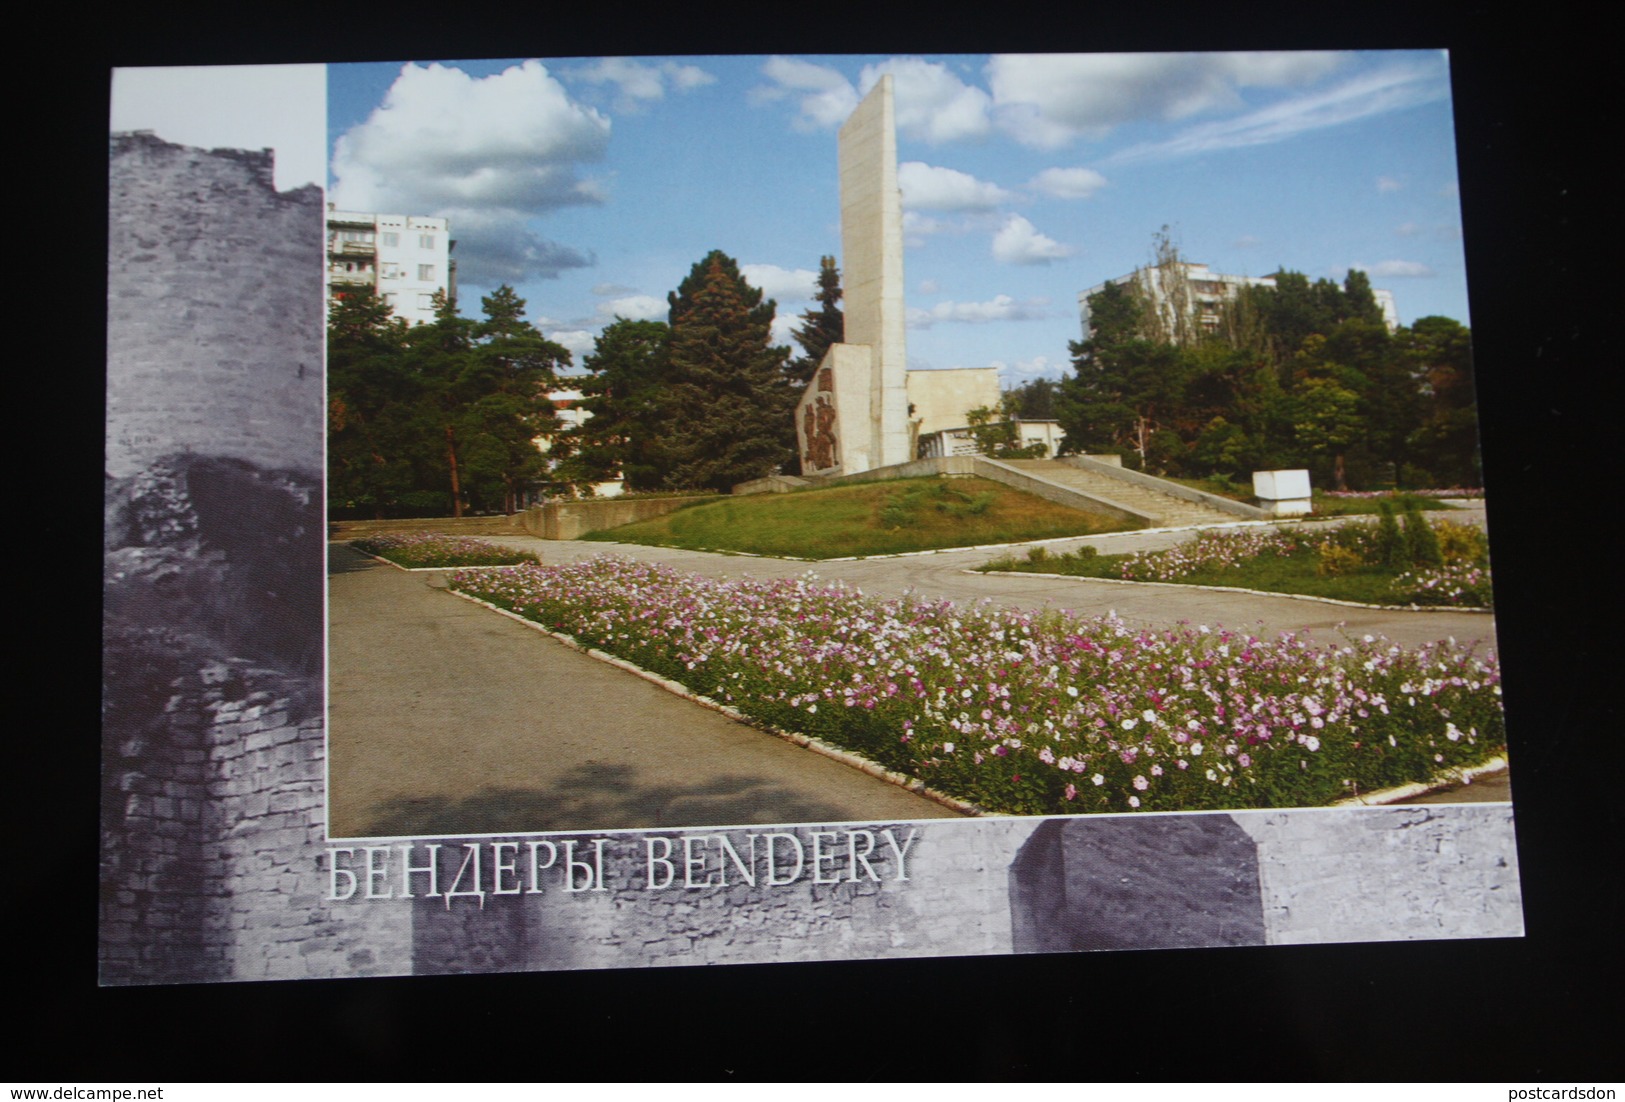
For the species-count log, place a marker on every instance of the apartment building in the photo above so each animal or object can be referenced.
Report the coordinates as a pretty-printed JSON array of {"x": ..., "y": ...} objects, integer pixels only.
[{"x": 406, "y": 258}]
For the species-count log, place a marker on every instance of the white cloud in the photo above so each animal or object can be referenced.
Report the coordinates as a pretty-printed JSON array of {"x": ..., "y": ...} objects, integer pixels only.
[
  {"x": 486, "y": 154},
  {"x": 604, "y": 290},
  {"x": 1397, "y": 269},
  {"x": 824, "y": 98},
  {"x": 1048, "y": 100},
  {"x": 1246, "y": 241},
  {"x": 931, "y": 187},
  {"x": 1000, "y": 308},
  {"x": 1364, "y": 96},
  {"x": 635, "y": 308},
  {"x": 1407, "y": 229},
  {"x": 1025, "y": 371},
  {"x": 1388, "y": 183},
  {"x": 580, "y": 342},
  {"x": 782, "y": 331},
  {"x": 1019, "y": 242},
  {"x": 781, "y": 284},
  {"x": 1067, "y": 183},
  {"x": 932, "y": 103},
  {"x": 929, "y": 287},
  {"x": 640, "y": 83},
  {"x": 495, "y": 247}
]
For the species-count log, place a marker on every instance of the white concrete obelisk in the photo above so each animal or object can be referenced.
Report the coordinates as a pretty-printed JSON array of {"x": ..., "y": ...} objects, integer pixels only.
[{"x": 872, "y": 255}]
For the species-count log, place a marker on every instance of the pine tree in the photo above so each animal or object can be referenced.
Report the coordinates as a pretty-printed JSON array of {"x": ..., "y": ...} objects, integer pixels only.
[
  {"x": 627, "y": 433},
  {"x": 370, "y": 395},
  {"x": 730, "y": 403},
  {"x": 819, "y": 327}
]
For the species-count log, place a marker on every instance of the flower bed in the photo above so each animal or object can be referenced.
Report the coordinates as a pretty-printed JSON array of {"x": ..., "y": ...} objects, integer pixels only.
[
  {"x": 420, "y": 550},
  {"x": 1035, "y": 712},
  {"x": 1347, "y": 562}
]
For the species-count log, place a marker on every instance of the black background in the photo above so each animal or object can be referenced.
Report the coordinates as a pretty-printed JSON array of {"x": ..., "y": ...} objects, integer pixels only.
[{"x": 1537, "y": 110}]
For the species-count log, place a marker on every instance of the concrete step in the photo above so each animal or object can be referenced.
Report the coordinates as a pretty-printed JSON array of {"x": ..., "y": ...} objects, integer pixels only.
[{"x": 1167, "y": 510}]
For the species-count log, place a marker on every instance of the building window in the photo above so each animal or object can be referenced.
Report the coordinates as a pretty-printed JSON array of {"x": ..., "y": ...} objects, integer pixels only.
[
  {"x": 426, "y": 272},
  {"x": 425, "y": 240},
  {"x": 391, "y": 239}
]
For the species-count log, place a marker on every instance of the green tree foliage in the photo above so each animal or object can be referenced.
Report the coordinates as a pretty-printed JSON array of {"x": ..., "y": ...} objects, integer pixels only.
[
  {"x": 1445, "y": 443},
  {"x": 1302, "y": 374},
  {"x": 820, "y": 327},
  {"x": 440, "y": 417},
  {"x": 626, "y": 435},
  {"x": 1033, "y": 400},
  {"x": 731, "y": 407},
  {"x": 370, "y": 397},
  {"x": 997, "y": 436}
]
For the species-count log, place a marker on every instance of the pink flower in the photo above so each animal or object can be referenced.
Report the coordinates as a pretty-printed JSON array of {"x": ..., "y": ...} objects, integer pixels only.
[{"x": 1141, "y": 783}]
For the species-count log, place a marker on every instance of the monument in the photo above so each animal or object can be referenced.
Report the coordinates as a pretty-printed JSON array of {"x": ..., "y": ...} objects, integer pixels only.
[
  {"x": 854, "y": 415},
  {"x": 863, "y": 408}
]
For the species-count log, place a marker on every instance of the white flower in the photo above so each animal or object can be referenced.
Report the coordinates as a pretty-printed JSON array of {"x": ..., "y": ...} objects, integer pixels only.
[
  {"x": 1098, "y": 779},
  {"x": 947, "y": 748},
  {"x": 1149, "y": 716}
]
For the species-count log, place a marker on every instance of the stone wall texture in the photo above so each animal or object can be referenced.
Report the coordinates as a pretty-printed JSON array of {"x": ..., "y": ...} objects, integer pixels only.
[
  {"x": 1388, "y": 874},
  {"x": 214, "y": 308}
]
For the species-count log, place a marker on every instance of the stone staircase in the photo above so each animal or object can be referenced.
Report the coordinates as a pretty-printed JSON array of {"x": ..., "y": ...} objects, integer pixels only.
[{"x": 1162, "y": 510}]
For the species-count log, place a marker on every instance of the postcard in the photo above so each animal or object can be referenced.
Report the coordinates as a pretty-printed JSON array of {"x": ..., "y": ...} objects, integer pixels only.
[{"x": 868, "y": 438}]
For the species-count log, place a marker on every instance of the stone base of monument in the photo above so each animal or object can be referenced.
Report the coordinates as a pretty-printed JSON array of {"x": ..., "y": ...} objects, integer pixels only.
[
  {"x": 1136, "y": 882},
  {"x": 1283, "y": 493}
]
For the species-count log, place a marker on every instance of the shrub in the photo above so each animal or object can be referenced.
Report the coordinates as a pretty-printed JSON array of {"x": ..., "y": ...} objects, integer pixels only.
[
  {"x": 1460, "y": 543},
  {"x": 1390, "y": 546},
  {"x": 1038, "y": 554},
  {"x": 1421, "y": 545},
  {"x": 1336, "y": 560}
]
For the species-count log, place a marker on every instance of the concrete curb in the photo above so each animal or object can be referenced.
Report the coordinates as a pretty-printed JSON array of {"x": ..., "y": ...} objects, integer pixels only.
[
  {"x": 1234, "y": 589},
  {"x": 808, "y": 742},
  {"x": 1449, "y": 779}
]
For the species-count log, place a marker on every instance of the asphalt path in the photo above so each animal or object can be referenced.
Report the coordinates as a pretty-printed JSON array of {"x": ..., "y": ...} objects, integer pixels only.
[{"x": 447, "y": 718}]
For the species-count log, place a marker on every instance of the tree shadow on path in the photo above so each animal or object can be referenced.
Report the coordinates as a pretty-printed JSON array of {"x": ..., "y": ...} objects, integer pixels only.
[{"x": 593, "y": 796}]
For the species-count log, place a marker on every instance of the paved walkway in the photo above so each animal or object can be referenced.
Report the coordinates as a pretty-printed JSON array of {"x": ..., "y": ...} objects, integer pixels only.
[
  {"x": 445, "y": 718},
  {"x": 943, "y": 574},
  {"x": 448, "y": 719}
]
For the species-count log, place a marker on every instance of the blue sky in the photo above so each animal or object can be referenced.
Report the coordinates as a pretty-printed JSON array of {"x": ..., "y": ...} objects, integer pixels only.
[{"x": 592, "y": 185}]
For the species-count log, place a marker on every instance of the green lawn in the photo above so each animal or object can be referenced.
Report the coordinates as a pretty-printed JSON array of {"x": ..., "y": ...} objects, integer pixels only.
[
  {"x": 1362, "y": 506},
  {"x": 870, "y": 518}
]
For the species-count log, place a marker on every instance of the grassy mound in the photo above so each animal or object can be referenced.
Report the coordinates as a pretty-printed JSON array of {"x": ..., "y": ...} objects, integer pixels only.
[{"x": 870, "y": 518}]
